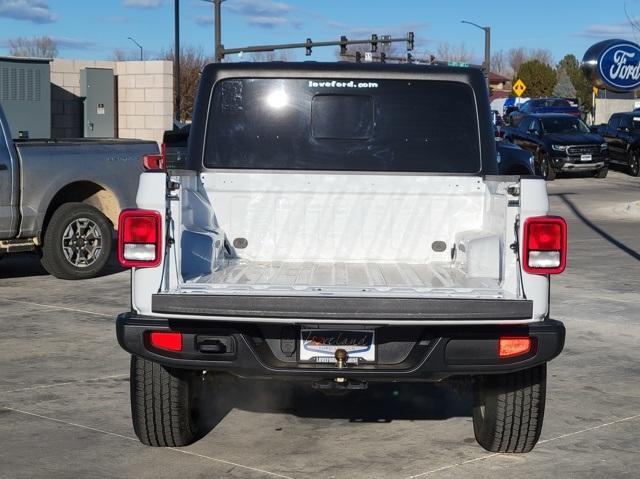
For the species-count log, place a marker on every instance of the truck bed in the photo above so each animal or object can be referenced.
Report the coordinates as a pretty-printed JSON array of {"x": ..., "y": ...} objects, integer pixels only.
[{"x": 385, "y": 278}]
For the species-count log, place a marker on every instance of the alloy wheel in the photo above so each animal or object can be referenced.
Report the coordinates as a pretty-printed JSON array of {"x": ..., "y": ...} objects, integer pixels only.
[{"x": 82, "y": 242}]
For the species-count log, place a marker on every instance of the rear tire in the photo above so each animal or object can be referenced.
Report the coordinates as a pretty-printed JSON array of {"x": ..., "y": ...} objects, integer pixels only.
[
  {"x": 77, "y": 242},
  {"x": 508, "y": 410},
  {"x": 601, "y": 173},
  {"x": 163, "y": 404},
  {"x": 633, "y": 163},
  {"x": 546, "y": 168}
]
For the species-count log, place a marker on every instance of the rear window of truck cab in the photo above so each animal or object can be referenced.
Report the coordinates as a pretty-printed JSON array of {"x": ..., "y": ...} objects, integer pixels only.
[{"x": 346, "y": 124}]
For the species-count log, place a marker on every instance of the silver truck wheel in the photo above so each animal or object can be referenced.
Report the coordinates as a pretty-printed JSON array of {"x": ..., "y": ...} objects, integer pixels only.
[
  {"x": 77, "y": 242},
  {"x": 163, "y": 404},
  {"x": 508, "y": 410}
]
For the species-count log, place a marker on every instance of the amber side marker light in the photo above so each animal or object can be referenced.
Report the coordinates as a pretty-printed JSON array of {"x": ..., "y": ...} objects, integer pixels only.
[
  {"x": 166, "y": 340},
  {"x": 509, "y": 347}
]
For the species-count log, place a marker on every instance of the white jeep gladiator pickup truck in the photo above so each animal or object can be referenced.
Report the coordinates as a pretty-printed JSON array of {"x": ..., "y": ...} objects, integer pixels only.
[{"x": 341, "y": 224}]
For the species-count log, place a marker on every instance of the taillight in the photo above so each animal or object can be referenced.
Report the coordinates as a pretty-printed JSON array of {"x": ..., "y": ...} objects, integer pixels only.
[
  {"x": 509, "y": 347},
  {"x": 167, "y": 340},
  {"x": 155, "y": 162},
  {"x": 544, "y": 245},
  {"x": 139, "y": 238}
]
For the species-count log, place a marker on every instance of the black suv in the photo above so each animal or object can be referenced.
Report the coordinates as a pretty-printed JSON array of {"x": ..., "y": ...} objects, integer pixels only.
[
  {"x": 622, "y": 134},
  {"x": 561, "y": 142}
]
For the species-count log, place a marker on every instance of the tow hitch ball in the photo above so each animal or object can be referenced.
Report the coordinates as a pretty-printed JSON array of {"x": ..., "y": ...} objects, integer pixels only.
[
  {"x": 341, "y": 358},
  {"x": 340, "y": 383}
]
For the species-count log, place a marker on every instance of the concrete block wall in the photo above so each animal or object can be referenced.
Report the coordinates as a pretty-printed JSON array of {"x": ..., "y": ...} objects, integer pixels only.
[
  {"x": 144, "y": 96},
  {"x": 605, "y": 107}
]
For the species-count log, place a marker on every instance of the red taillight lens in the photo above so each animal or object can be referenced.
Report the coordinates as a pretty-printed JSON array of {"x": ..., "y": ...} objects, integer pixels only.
[
  {"x": 167, "y": 340},
  {"x": 139, "y": 238},
  {"x": 544, "y": 248},
  {"x": 509, "y": 347},
  {"x": 140, "y": 229},
  {"x": 155, "y": 162}
]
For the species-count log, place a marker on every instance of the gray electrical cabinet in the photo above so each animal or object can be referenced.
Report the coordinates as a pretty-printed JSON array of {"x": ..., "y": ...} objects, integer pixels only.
[
  {"x": 25, "y": 96},
  {"x": 97, "y": 87}
]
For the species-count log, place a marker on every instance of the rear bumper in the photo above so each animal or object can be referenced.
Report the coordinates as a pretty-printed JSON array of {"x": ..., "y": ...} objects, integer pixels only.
[{"x": 404, "y": 353}]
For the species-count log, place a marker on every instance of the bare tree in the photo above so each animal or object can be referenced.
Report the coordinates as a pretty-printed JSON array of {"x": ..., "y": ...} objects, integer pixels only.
[
  {"x": 36, "y": 47},
  {"x": 634, "y": 23},
  {"x": 516, "y": 57},
  {"x": 542, "y": 55},
  {"x": 454, "y": 53},
  {"x": 499, "y": 64},
  {"x": 120, "y": 55},
  {"x": 273, "y": 56},
  {"x": 192, "y": 61}
]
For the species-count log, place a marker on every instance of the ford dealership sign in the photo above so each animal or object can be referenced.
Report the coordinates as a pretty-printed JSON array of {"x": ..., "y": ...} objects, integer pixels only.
[{"x": 613, "y": 65}]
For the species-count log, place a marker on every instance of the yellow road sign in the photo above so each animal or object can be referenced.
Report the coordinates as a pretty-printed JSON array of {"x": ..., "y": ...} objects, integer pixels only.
[
  {"x": 519, "y": 87},
  {"x": 595, "y": 90}
]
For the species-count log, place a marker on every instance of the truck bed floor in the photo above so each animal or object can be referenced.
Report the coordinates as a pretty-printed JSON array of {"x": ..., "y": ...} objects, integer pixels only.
[{"x": 331, "y": 276}]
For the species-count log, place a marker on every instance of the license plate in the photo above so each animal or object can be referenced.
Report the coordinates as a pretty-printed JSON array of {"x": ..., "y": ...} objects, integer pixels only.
[
  {"x": 586, "y": 157},
  {"x": 320, "y": 345}
]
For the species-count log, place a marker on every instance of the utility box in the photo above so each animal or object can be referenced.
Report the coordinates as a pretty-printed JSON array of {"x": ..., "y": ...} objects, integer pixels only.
[
  {"x": 97, "y": 87},
  {"x": 25, "y": 96}
]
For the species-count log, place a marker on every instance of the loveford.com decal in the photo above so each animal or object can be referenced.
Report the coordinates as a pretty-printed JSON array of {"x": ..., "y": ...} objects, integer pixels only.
[{"x": 342, "y": 84}]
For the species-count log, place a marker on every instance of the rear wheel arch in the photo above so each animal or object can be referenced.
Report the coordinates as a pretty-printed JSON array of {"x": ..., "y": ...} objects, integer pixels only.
[{"x": 89, "y": 192}]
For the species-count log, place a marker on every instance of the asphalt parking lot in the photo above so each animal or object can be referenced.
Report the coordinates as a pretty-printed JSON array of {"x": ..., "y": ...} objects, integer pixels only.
[{"x": 64, "y": 397}]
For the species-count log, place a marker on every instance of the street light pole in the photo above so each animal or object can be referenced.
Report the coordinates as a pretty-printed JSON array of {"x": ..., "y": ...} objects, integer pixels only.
[
  {"x": 139, "y": 46},
  {"x": 486, "y": 65},
  {"x": 218, "y": 53},
  {"x": 176, "y": 59},
  {"x": 217, "y": 4}
]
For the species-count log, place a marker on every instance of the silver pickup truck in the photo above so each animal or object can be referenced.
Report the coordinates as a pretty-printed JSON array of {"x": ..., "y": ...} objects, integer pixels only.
[{"x": 61, "y": 198}]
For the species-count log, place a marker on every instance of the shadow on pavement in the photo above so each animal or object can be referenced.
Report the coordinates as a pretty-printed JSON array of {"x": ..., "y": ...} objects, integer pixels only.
[
  {"x": 21, "y": 265},
  {"x": 380, "y": 403},
  {"x": 618, "y": 244},
  {"x": 25, "y": 265}
]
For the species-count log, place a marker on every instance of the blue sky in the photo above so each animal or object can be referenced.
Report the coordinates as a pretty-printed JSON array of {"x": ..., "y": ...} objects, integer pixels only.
[{"x": 94, "y": 29}]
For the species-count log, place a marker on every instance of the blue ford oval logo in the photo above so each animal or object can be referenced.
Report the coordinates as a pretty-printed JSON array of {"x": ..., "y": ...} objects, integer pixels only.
[
  {"x": 613, "y": 65},
  {"x": 619, "y": 66}
]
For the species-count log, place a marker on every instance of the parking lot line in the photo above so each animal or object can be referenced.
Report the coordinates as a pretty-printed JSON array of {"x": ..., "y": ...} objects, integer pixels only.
[
  {"x": 129, "y": 438},
  {"x": 62, "y": 308},
  {"x": 562, "y": 436},
  {"x": 44, "y": 386},
  {"x": 489, "y": 456}
]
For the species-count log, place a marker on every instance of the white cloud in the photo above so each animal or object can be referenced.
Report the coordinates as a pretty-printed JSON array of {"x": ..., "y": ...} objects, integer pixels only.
[
  {"x": 264, "y": 13},
  {"x": 259, "y": 7},
  {"x": 612, "y": 30},
  {"x": 35, "y": 11},
  {"x": 142, "y": 3}
]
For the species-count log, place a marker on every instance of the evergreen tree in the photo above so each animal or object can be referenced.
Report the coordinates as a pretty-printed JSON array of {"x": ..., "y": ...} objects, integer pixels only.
[
  {"x": 579, "y": 81},
  {"x": 539, "y": 77},
  {"x": 564, "y": 87}
]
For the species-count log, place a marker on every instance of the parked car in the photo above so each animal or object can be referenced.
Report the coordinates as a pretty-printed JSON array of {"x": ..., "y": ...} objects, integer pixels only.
[
  {"x": 512, "y": 104},
  {"x": 314, "y": 238},
  {"x": 513, "y": 160},
  {"x": 561, "y": 143},
  {"x": 61, "y": 198},
  {"x": 622, "y": 134},
  {"x": 542, "y": 105}
]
